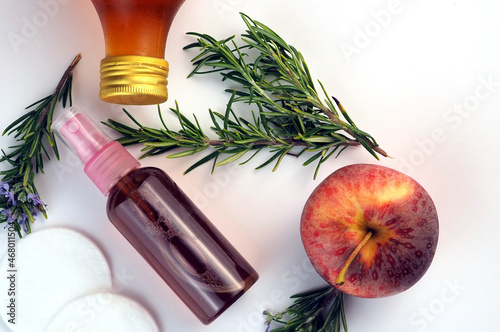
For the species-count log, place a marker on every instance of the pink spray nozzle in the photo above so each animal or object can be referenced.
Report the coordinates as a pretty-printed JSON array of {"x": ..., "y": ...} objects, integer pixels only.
[
  {"x": 105, "y": 161},
  {"x": 81, "y": 134}
]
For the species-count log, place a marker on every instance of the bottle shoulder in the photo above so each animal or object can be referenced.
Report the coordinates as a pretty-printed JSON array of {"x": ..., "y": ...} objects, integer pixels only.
[
  {"x": 142, "y": 173},
  {"x": 135, "y": 178}
]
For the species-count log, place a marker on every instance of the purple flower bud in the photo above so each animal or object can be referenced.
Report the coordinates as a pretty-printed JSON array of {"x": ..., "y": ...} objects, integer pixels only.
[{"x": 34, "y": 198}]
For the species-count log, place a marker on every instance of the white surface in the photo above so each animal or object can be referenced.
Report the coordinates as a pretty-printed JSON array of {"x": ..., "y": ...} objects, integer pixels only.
[
  {"x": 424, "y": 81},
  {"x": 54, "y": 267},
  {"x": 103, "y": 312}
]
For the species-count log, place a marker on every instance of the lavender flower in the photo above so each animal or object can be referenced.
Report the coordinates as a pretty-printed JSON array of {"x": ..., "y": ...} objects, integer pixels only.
[
  {"x": 19, "y": 205},
  {"x": 34, "y": 198},
  {"x": 5, "y": 191}
]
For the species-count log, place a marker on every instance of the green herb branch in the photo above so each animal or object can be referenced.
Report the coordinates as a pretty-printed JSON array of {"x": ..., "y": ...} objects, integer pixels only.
[
  {"x": 288, "y": 116},
  {"x": 19, "y": 199},
  {"x": 320, "y": 310}
]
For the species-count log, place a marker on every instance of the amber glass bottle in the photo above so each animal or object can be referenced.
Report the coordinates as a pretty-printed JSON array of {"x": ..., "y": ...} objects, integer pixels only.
[
  {"x": 134, "y": 70},
  {"x": 161, "y": 222}
]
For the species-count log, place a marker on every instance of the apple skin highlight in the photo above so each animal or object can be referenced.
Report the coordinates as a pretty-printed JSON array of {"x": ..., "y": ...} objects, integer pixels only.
[{"x": 362, "y": 198}]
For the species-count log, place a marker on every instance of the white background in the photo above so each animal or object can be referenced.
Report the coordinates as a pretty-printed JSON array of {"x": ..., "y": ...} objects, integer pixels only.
[{"x": 423, "y": 80}]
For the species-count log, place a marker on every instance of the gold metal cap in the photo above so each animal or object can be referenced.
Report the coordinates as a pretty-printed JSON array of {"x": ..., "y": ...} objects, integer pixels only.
[{"x": 134, "y": 80}]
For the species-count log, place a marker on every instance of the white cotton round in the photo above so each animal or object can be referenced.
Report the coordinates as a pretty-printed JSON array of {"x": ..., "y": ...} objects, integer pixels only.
[
  {"x": 52, "y": 267},
  {"x": 103, "y": 312}
]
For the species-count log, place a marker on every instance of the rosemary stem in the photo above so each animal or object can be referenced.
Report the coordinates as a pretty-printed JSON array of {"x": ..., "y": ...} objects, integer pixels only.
[
  {"x": 291, "y": 142},
  {"x": 273, "y": 77},
  {"x": 59, "y": 86},
  {"x": 68, "y": 72}
]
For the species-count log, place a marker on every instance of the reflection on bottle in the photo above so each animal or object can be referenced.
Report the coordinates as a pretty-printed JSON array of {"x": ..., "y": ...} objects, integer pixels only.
[{"x": 179, "y": 242}]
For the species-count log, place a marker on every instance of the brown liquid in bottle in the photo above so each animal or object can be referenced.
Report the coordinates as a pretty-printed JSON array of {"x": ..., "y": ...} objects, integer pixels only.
[
  {"x": 136, "y": 27},
  {"x": 179, "y": 242}
]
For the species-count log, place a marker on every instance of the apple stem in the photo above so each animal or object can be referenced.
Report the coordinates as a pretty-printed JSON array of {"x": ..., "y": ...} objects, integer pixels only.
[{"x": 340, "y": 278}]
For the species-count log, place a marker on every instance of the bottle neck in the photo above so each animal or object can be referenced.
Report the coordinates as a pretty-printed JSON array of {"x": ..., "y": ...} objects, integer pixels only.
[{"x": 109, "y": 165}]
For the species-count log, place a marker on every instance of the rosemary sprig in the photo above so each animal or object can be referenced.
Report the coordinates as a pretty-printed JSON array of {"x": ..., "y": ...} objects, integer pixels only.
[
  {"x": 289, "y": 116},
  {"x": 19, "y": 199},
  {"x": 320, "y": 310}
]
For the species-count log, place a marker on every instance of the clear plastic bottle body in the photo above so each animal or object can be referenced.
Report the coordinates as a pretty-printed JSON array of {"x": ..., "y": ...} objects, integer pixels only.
[
  {"x": 179, "y": 242},
  {"x": 136, "y": 27}
]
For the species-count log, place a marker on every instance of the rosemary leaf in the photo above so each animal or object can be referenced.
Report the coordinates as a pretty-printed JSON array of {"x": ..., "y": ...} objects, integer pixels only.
[
  {"x": 319, "y": 310},
  {"x": 19, "y": 199},
  {"x": 274, "y": 83}
]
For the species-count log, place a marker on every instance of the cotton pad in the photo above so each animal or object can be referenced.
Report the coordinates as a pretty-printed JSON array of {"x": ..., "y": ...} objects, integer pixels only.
[
  {"x": 103, "y": 312},
  {"x": 54, "y": 266}
]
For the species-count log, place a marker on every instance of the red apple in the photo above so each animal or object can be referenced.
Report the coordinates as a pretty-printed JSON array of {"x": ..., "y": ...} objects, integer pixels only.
[{"x": 369, "y": 230}]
